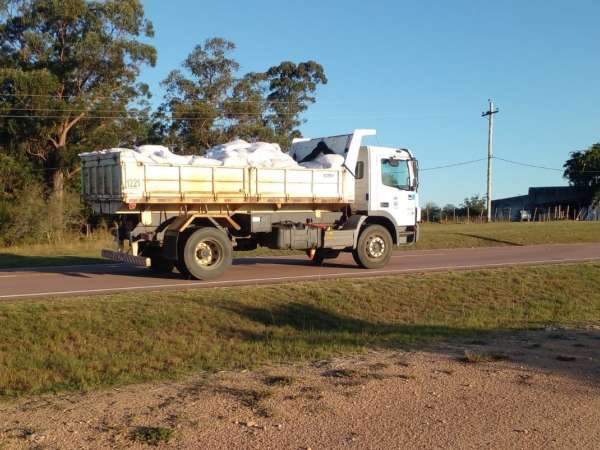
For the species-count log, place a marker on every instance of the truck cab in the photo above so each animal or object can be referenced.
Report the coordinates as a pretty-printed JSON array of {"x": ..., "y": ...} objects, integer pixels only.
[
  {"x": 386, "y": 183},
  {"x": 384, "y": 180}
]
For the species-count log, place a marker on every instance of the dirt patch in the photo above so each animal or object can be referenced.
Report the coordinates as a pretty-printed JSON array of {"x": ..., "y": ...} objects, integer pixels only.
[{"x": 532, "y": 397}]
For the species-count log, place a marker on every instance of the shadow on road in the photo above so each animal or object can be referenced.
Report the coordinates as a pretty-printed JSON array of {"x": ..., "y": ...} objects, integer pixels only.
[
  {"x": 489, "y": 239},
  {"x": 13, "y": 261},
  {"x": 251, "y": 261}
]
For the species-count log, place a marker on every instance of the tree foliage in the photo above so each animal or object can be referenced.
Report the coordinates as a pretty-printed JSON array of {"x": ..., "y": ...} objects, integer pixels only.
[
  {"x": 475, "y": 205},
  {"x": 68, "y": 75},
  {"x": 207, "y": 102},
  {"x": 291, "y": 89},
  {"x": 582, "y": 169}
]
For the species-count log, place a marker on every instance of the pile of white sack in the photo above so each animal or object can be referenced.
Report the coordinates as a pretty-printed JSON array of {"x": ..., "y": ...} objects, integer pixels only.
[
  {"x": 259, "y": 154},
  {"x": 237, "y": 153}
]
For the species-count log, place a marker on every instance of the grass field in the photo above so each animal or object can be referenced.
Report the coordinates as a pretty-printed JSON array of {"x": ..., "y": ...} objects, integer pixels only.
[
  {"x": 89, "y": 342},
  {"x": 515, "y": 233},
  {"x": 432, "y": 236}
]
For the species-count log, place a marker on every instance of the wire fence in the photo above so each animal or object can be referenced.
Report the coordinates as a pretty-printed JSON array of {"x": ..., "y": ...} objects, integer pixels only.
[{"x": 508, "y": 214}]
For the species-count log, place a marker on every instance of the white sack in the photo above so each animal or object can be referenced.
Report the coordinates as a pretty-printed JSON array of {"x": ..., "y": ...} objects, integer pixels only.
[{"x": 258, "y": 154}]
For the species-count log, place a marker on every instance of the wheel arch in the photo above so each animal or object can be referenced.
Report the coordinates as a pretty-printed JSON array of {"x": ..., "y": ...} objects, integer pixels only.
[{"x": 386, "y": 223}]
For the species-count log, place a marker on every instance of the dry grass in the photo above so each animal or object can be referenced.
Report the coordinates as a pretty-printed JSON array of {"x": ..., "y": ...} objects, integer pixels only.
[
  {"x": 79, "y": 343},
  {"x": 74, "y": 251},
  {"x": 152, "y": 435},
  {"x": 475, "y": 357}
]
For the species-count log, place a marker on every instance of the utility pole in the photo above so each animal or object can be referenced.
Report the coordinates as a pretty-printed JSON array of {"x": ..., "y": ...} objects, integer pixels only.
[{"x": 490, "y": 115}]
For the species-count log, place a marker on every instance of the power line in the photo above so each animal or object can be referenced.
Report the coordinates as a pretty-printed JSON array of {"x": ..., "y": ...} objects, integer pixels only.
[
  {"x": 463, "y": 163},
  {"x": 61, "y": 97},
  {"x": 518, "y": 163},
  {"x": 58, "y": 96},
  {"x": 131, "y": 111},
  {"x": 134, "y": 117},
  {"x": 221, "y": 115},
  {"x": 527, "y": 164}
]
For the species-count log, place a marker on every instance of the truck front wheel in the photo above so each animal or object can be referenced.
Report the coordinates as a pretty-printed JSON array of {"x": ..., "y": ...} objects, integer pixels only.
[
  {"x": 207, "y": 253},
  {"x": 374, "y": 247}
]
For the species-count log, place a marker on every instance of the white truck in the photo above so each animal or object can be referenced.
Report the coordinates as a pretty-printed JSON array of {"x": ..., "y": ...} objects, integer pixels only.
[{"x": 193, "y": 218}]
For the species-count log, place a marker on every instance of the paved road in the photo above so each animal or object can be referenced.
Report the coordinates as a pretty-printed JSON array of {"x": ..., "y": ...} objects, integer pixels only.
[{"x": 104, "y": 278}]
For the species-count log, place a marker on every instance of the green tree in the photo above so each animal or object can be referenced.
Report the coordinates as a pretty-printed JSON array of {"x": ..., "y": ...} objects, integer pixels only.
[
  {"x": 431, "y": 212},
  {"x": 68, "y": 78},
  {"x": 474, "y": 206},
  {"x": 246, "y": 110},
  {"x": 207, "y": 102},
  {"x": 195, "y": 95},
  {"x": 582, "y": 169},
  {"x": 14, "y": 177},
  {"x": 450, "y": 210},
  {"x": 291, "y": 89}
]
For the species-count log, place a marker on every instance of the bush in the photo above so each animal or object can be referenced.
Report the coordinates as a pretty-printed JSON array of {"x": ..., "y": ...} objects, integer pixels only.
[{"x": 32, "y": 216}]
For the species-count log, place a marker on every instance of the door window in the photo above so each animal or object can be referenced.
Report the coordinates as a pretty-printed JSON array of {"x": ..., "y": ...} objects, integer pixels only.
[
  {"x": 360, "y": 170},
  {"x": 395, "y": 173}
]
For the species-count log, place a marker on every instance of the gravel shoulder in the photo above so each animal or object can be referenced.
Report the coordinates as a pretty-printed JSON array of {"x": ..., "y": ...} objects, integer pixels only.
[{"x": 529, "y": 389}]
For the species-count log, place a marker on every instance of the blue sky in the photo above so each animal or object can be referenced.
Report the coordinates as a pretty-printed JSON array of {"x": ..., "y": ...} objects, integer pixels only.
[{"x": 421, "y": 74}]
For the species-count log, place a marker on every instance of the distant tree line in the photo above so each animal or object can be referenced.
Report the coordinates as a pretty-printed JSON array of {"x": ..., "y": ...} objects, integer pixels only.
[
  {"x": 69, "y": 83},
  {"x": 471, "y": 208}
]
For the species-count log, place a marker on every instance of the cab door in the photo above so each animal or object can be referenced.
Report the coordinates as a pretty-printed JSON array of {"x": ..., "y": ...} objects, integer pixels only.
[
  {"x": 362, "y": 180},
  {"x": 392, "y": 187}
]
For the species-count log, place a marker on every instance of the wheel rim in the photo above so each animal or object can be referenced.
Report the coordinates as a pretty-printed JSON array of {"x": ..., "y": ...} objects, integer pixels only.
[
  {"x": 375, "y": 247},
  {"x": 208, "y": 253}
]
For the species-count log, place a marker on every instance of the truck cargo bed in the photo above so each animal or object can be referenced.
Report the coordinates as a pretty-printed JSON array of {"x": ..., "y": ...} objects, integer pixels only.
[{"x": 115, "y": 181}]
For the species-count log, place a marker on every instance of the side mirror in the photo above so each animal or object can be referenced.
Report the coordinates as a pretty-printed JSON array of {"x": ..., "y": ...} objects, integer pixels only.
[{"x": 415, "y": 179}]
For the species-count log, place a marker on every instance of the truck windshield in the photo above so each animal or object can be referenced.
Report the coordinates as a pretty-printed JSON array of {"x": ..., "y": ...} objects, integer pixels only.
[{"x": 395, "y": 173}]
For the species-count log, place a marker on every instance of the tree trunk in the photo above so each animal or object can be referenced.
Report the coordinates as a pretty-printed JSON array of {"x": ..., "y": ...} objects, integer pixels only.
[
  {"x": 58, "y": 183},
  {"x": 58, "y": 200}
]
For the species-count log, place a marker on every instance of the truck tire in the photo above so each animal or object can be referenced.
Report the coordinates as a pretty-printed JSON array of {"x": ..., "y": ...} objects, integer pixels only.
[
  {"x": 180, "y": 265},
  {"x": 374, "y": 247},
  {"x": 321, "y": 254},
  {"x": 207, "y": 253}
]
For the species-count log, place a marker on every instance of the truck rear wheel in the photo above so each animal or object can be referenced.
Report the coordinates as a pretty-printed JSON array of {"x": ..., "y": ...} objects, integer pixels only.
[
  {"x": 374, "y": 247},
  {"x": 207, "y": 253}
]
